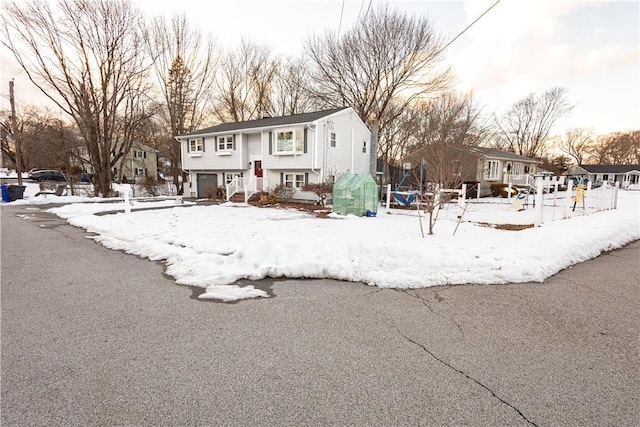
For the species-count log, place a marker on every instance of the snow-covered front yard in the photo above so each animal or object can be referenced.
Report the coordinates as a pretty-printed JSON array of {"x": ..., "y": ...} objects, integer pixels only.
[{"x": 214, "y": 246}]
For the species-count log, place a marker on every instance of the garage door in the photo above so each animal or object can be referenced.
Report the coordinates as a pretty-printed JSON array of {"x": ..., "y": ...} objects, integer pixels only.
[{"x": 207, "y": 184}]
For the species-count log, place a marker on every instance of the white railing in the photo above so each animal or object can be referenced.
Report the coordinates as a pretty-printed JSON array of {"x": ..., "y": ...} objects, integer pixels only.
[
  {"x": 254, "y": 185},
  {"x": 236, "y": 185},
  {"x": 249, "y": 186},
  {"x": 522, "y": 179}
]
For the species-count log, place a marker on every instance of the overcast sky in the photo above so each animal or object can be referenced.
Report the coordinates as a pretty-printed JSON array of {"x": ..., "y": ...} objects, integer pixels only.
[{"x": 520, "y": 46}]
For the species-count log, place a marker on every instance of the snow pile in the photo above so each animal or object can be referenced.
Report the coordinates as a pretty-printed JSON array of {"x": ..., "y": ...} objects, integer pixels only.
[{"x": 214, "y": 246}]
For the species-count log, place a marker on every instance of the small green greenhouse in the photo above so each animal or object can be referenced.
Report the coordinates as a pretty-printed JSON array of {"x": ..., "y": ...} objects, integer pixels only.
[{"x": 355, "y": 194}]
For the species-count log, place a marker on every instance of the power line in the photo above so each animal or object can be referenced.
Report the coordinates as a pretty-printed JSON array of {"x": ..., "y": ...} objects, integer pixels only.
[
  {"x": 341, "y": 13},
  {"x": 468, "y": 26},
  {"x": 360, "y": 11},
  {"x": 369, "y": 7}
]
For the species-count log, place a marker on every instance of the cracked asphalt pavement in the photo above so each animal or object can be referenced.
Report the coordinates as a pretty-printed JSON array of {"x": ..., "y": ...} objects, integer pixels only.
[{"x": 97, "y": 337}]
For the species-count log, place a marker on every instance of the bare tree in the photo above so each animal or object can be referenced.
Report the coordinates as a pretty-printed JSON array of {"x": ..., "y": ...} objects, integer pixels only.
[
  {"x": 291, "y": 88},
  {"x": 525, "y": 127},
  {"x": 185, "y": 66},
  {"x": 618, "y": 148},
  {"x": 396, "y": 138},
  {"x": 387, "y": 58},
  {"x": 576, "y": 143},
  {"x": 445, "y": 130},
  {"x": 47, "y": 141},
  {"x": 87, "y": 57},
  {"x": 244, "y": 82}
]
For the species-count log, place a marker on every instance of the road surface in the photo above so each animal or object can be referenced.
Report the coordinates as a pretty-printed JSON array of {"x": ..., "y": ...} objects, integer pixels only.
[{"x": 92, "y": 336}]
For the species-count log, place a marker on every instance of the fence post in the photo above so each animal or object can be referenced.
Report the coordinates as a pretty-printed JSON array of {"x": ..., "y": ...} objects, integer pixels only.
[
  {"x": 388, "y": 196},
  {"x": 462, "y": 200},
  {"x": 127, "y": 204},
  {"x": 538, "y": 213},
  {"x": 568, "y": 200},
  {"x": 556, "y": 180},
  {"x": 615, "y": 195},
  {"x": 603, "y": 192}
]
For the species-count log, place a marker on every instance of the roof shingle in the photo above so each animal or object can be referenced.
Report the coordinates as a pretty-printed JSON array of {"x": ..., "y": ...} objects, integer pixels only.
[
  {"x": 610, "y": 168},
  {"x": 266, "y": 122}
]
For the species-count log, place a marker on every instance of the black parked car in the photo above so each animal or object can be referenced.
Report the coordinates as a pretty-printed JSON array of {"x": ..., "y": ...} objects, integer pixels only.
[{"x": 48, "y": 175}]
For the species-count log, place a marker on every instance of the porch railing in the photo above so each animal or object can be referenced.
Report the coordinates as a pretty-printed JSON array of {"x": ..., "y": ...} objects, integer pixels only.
[
  {"x": 522, "y": 179},
  {"x": 249, "y": 186},
  {"x": 235, "y": 186}
]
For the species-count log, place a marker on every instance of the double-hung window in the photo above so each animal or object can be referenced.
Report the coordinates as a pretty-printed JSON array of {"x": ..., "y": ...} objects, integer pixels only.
[
  {"x": 196, "y": 145},
  {"x": 289, "y": 141},
  {"x": 493, "y": 169},
  {"x": 332, "y": 139},
  {"x": 294, "y": 180},
  {"x": 140, "y": 154},
  {"x": 140, "y": 171},
  {"x": 225, "y": 143}
]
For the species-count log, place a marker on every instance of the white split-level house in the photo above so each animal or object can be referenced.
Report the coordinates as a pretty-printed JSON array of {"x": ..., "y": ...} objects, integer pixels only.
[{"x": 246, "y": 157}]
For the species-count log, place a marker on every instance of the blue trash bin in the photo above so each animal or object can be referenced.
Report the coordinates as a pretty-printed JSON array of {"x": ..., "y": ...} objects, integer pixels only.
[{"x": 5, "y": 193}]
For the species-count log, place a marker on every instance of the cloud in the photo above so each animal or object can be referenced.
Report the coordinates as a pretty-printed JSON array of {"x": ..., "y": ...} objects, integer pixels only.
[
  {"x": 605, "y": 58},
  {"x": 524, "y": 46},
  {"x": 510, "y": 41}
]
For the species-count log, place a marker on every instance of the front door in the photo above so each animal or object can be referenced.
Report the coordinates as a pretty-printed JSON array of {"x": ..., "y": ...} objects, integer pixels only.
[
  {"x": 257, "y": 172},
  {"x": 257, "y": 168}
]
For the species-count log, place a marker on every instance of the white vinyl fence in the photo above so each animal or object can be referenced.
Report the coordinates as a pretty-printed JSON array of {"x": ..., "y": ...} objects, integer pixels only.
[{"x": 545, "y": 202}]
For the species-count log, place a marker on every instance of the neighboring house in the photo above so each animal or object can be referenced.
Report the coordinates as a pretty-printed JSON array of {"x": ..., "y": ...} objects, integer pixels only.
[
  {"x": 141, "y": 161},
  {"x": 480, "y": 165},
  {"x": 544, "y": 173},
  {"x": 626, "y": 175},
  {"x": 495, "y": 166},
  {"x": 289, "y": 150}
]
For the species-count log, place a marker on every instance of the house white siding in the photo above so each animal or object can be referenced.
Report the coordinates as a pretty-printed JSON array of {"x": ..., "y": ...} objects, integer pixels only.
[
  {"x": 295, "y": 149},
  {"x": 347, "y": 156}
]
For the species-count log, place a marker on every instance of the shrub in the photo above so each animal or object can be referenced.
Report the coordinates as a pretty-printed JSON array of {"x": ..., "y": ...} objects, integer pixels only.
[
  {"x": 321, "y": 190},
  {"x": 502, "y": 190},
  {"x": 215, "y": 193},
  {"x": 150, "y": 186},
  {"x": 284, "y": 193},
  {"x": 267, "y": 198}
]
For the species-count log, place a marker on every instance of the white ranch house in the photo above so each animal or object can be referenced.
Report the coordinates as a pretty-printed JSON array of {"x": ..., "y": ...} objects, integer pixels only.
[
  {"x": 246, "y": 157},
  {"x": 626, "y": 175},
  {"x": 497, "y": 166}
]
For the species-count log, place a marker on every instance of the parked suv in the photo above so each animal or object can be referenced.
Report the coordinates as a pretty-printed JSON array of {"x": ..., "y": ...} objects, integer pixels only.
[{"x": 48, "y": 175}]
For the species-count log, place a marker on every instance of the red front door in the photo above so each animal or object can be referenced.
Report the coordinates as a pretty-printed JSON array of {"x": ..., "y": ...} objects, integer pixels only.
[{"x": 257, "y": 172}]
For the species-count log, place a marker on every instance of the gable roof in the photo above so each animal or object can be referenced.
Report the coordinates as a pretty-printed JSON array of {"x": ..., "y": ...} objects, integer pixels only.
[
  {"x": 501, "y": 154},
  {"x": 266, "y": 122},
  {"x": 610, "y": 168}
]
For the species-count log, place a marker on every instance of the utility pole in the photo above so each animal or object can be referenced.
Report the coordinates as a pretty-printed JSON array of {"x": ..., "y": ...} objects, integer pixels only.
[
  {"x": 2, "y": 138},
  {"x": 16, "y": 140}
]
